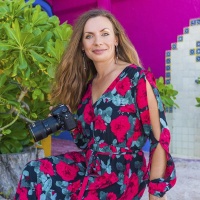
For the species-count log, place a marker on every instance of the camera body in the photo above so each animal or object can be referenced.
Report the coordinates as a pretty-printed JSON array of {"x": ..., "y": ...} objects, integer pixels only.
[{"x": 61, "y": 118}]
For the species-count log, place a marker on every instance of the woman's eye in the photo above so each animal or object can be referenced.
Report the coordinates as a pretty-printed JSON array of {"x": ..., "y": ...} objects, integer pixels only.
[
  {"x": 105, "y": 34},
  {"x": 88, "y": 36}
]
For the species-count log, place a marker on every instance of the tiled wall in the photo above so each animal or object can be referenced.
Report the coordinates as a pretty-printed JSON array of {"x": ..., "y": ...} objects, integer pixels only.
[{"x": 182, "y": 69}]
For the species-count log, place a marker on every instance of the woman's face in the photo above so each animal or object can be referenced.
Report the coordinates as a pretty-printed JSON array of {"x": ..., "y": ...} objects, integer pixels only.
[{"x": 99, "y": 39}]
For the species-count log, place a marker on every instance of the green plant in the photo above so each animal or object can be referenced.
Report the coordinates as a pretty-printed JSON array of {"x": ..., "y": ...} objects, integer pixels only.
[
  {"x": 198, "y": 98},
  {"x": 167, "y": 93},
  {"x": 31, "y": 45}
]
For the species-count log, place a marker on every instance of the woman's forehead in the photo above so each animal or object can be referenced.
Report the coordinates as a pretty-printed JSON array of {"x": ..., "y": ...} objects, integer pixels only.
[{"x": 98, "y": 24}]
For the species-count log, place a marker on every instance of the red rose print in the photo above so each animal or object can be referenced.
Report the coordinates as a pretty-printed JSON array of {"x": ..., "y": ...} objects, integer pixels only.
[
  {"x": 119, "y": 127},
  {"x": 165, "y": 139},
  {"x": 141, "y": 94},
  {"x": 136, "y": 134},
  {"x": 112, "y": 86},
  {"x": 75, "y": 156},
  {"x": 151, "y": 79},
  {"x": 113, "y": 149},
  {"x": 67, "y": 172},
  {"x": 111, "y": 196},
  {"x": 128, "y": 108},
  {"x": 73, "y": 187},
  {"x": 157, "y": 187},
  {"x": 132, "y": 188},
  {"x": 123, "y": 86},
  {"x": 38, "y": 190},
  {"x": 128, "y": 156},
  {"x": 23, "y": 192},
  {"x": 99, "y": 123},
  {"x": 46, "y": 167},
  {"x": 145, "y": 118},
  {"x": 104, "y": 181},
  {"x": 92, "y": 195},
  {"x": 172, "y": 182},
  {"x": 169, "y": 170},
  {"x": 77, "y": 130},
  {"x": 102, "y": 145},
  {"x": 88, "y": 113},
  {"x": 74, "y": 196}
]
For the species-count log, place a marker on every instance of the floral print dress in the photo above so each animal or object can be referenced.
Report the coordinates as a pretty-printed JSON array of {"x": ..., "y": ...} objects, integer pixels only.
[{"x": 111, "y": 133}]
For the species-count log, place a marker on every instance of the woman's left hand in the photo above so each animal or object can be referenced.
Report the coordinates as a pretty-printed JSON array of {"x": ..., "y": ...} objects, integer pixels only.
[{"x": 152, "y": 197}]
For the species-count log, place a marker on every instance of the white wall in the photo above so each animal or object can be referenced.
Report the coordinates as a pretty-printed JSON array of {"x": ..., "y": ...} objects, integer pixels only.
[{"x": 182, "y": 69}]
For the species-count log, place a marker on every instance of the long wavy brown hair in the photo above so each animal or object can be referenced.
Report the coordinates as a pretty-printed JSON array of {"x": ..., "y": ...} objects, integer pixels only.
[{"x": 71, "y": 78}]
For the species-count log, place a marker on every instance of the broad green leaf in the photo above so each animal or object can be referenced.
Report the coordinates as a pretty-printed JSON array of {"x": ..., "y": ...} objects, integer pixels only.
[
  {"x": 51, "y": 71},
  {"x": 51, "y": 50},
  {"x": 13, "y": 145},
  {"x": 12, "y": 34},
  {"x": 37, "y": 92},
  {"x": 15, "y": 26},
  {"x": 6, "y": 131},
  {"x": 22, "y": 61},
  {"x": 28, "y": 73},
  {"x": 37, "y": 57},
  {"x": 6, "y": 46},
  {"x": 198, "y": 99},
  {"x": 15, "y": 68},
  {"x": 34, "y": 115},
  {"x": 3, "y": 79},
  {"x": 4, "y": 149}
]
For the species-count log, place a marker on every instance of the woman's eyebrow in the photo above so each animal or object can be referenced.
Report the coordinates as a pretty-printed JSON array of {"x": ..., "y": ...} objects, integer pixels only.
[{"x": 100, "y": 30}]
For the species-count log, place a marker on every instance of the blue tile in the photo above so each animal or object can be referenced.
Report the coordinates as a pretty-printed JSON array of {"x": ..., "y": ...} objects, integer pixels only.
[
  {"x": 198, "y": 44},
  {"x": 168, "y": 61},
  {"x": 168, "y": 67},
  {"x": 180, "y": 38},
  {"x": 168, "y": 74},
  {"x": 174, "y": 46},
  {"x": 167, "y": 81},
  {"x": 198, "y": 51},
  {"x": 192, "y": 51},
  {"x": 186, "y": 30},
  {"x": 193, "y": 22},
  {"x": 198, "y": 58},
  {"x": 168, "y": 53}
]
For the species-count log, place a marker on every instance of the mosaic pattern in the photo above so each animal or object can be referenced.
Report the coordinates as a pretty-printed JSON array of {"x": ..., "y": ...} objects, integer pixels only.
[{"x": 195, "y": 52}]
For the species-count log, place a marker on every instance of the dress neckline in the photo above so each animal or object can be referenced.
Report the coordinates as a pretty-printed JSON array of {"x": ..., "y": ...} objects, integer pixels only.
[{"x": 109, "y": 86}]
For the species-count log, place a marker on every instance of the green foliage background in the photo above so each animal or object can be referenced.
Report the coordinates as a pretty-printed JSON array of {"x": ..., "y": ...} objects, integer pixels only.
[{"x": 31, "y": 45}]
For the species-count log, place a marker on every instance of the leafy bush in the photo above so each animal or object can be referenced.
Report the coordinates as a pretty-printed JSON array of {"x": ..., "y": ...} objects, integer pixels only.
[
  {"x": 31, "y": 45},
  {"x": 167, "y": 93}
]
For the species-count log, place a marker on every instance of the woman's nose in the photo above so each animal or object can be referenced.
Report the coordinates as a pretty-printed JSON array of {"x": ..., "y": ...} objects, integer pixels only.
[{"x": 98, "y": 40}]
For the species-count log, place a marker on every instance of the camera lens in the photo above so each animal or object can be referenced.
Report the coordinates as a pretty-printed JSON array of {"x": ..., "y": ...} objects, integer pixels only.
[{"x": 42, "y": 128}]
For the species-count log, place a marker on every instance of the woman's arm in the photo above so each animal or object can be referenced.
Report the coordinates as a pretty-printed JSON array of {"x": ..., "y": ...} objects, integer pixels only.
[{"x": 159, "y": 160}]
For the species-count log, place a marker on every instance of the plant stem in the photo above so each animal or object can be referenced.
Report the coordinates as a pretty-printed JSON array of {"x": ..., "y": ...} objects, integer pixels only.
[{"x": 14, "y": 120}]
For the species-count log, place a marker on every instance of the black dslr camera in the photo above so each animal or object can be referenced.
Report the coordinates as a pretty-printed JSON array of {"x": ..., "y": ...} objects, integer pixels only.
[{"x": 61, "y": 118}]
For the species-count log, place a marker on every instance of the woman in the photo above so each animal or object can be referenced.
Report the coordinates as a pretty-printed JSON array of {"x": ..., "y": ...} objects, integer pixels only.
[{"x": 118, "y": 109}]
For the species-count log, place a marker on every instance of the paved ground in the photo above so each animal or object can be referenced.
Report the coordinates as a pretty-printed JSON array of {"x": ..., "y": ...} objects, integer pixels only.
[{"x": 188, "y": 173}]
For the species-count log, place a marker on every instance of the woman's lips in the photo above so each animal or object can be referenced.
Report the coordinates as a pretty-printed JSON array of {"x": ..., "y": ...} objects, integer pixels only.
[{"x": 99, "y": 51}]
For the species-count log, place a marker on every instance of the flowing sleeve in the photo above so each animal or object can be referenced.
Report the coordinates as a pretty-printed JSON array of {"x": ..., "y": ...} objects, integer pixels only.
[
  {"x": 157, "y": 187},
  {"x": 78, "y": 136}
]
